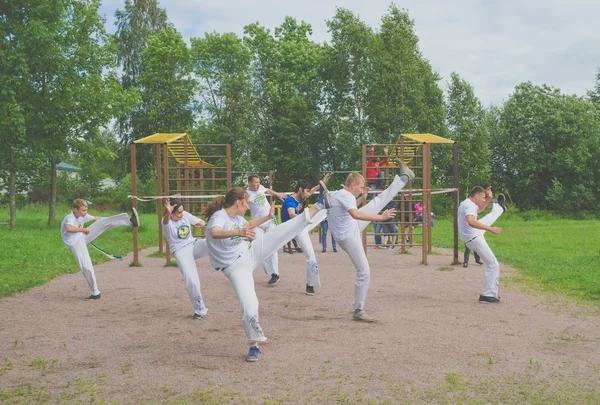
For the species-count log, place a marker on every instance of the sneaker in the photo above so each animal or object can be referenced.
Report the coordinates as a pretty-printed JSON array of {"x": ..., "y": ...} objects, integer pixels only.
[
  {"x": 253, "y": 353},
  {"x": 465, "y": 264},
  {"x": 401, "y": 169},
  {"x": 324, "y": 195},
  {"x": 289, "y": 250},
  {"x": 324, "y": 250},
  {"x": 135, "y": 219},
  {"x": 478, "y": 262},
  {"x": 488, "y": 300},
  {"x": 361, "y": 315},
  {"x": 299, "y": 250},
  {"x": 197, "y": 316},
  {"x": 502, "y": 201},
  {"x": 94, "y": 297},
  {"x": 334, "y": 250},
  {"x": 274, "y": 279},
  {"x": 310, "y": 290}
]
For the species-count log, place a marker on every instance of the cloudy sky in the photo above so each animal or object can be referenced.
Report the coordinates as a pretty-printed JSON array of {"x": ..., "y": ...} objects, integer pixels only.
[{"x": 493, "y": 44}]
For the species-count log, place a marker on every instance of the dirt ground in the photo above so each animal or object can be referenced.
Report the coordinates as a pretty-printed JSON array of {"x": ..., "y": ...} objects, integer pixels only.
[{"x": 433, "y": 343}]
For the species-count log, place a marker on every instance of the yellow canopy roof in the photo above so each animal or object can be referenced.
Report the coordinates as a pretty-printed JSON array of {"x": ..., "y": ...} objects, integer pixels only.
[
  {"x": 410, "y": 149},
  {"x": 176, "y": 145}
]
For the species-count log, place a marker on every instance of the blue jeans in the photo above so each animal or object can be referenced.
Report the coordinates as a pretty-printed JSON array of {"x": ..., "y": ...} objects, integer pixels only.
[
  {"x": 377, "y": 228},
  {"x": 324, "y": 229}
]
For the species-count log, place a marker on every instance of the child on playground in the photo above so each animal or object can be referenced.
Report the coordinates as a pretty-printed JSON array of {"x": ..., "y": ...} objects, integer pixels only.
[{"x": 76, "y": 237}]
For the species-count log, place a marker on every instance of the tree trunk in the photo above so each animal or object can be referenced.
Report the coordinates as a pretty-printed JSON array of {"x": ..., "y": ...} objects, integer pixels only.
[
  {"x": 12, "y": 192},
  {"x": 52, "y": 214}
]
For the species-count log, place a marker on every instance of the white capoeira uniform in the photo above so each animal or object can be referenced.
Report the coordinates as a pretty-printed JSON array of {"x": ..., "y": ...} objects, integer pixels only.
[
  {"x": 260, "y": 207},
  {"x": 186, "y": 250},
  {"x": 347, "y": 233},
  {"x": 474, "y": 239},
  {"x": 78, "y": 241},
  {"x": 303, "y": 239},
  {"x": 237, "y": 258}
]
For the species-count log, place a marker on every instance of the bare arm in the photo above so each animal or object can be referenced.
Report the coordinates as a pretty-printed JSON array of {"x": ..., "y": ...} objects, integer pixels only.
[
  {"x": 474, "y": 223},
  {"x": 169, "y": 208},
  {"x": 292, "y": 213},
  {"x": 220, "y": 233},
  {"x": 488, "y": 197},
  {"x": 71, "y": 228},
  {"x": 363, "y": 216},
  {"x": 364, "y": 196},
  {"x": 262, "y": 220},
  {"x": 281, "y": 196},
  {"x": 315, "y": 188}
]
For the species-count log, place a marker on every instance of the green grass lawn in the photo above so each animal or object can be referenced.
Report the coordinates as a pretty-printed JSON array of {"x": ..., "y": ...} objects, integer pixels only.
[
  {"x": 551, "y": 254},
  {"x": 35, "y": 254}
]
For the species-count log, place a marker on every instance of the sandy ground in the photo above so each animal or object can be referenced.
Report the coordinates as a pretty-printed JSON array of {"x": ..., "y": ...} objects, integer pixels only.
[{"x": 138, "y": 344}]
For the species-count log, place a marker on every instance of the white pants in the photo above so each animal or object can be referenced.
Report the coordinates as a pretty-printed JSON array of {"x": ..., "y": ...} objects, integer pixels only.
[
  {"x": 303, "y": 239},
  {"x": 240, "y": 271},
  {"x": 271, "y": 263},
  {"x": 352, "y": 244},
  {"x": 492, "y": 267},
  {"x": 81, "y": 253},
  {"x": 186, "y": 261}
]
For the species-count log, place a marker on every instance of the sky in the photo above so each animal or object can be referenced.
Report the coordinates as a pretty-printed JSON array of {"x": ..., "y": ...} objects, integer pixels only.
[{"x": 493, "y": 44}]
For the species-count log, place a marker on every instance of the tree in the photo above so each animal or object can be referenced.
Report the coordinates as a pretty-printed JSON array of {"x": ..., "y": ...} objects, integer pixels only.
[
  {"x": 287, "y": 90},
  {"x": 136, "y": 23},
  {"x": 222, "y": 63},
  {"x": 167, "y": 86},
  {"x": 594, "y": 94},
  {"x": 346, "y": 67},
  {"x": 547, "y": 149},
  {"x": 467, "y": 126}
]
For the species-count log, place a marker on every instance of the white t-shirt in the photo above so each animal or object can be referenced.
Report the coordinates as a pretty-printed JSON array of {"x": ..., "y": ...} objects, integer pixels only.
[
  {"x": 259, "y": 204},
  {"x": 70, "y": 238},
  {"x": 341, "y": 223},
  {"x": 223, "y": 252},
  {"x": 467, "y": 232},
  {"x": 179, "y": 233}
]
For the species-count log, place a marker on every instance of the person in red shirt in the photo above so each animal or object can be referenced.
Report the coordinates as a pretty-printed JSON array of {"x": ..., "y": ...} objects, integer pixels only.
[{"x": 374, "y": 166}]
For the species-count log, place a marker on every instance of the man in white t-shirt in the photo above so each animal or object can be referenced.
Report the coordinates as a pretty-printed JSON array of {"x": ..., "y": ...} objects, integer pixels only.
[
  {"x": 347, "y": 222},
  {"x": 472, "y": 234},
  {"x": 76, "y": 237},
  {"x": 259, "y": 207}
]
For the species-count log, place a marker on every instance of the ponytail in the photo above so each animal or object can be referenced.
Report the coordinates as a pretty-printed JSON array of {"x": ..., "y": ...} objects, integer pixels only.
[{"x": 226, "y": 201}]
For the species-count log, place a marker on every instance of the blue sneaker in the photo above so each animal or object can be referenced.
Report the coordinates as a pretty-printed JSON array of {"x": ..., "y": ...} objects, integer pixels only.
[
  {"x": 324, "y": 196},
  {"x": 253, "y": 353}
]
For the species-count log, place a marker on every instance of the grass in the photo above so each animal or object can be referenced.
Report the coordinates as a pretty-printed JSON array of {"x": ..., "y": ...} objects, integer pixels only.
[
  {"x": 551, "y": 254},
  {"x": 561, "y": 256},
  {"x": 35, "y": 254}
]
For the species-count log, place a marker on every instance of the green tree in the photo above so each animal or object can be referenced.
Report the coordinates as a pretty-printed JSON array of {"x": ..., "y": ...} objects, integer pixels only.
[
  {"x": 287, "y": 92},
  {"x": 547, "y": 149},
  {"x": 594, "y": 94},
  {"x": 403, "y": 95},
  {"x": 222, "y": 64},
  {"x": 466, "y": 121},
  {"x": 168, "y": 87},
  {"x": 345, "y": 72},
  {"x": 136, "y": 23}
]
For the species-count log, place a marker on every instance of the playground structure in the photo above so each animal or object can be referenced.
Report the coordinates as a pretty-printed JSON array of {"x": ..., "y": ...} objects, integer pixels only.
[
  {"x": 415, "y": 152},
  {"x": 195, "y": 173},
  {"x": 183, "y": 173}
]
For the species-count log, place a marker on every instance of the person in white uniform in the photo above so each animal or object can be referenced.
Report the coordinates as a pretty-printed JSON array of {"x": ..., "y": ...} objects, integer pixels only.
[
  {"x": 472, "y": 233},
  {"x": 347, "y": 222},
  {"x": 176, "y": 226},
  {"x": 259, "y": 207},
  {"x": 290, "y": 209},
  {"x": 236, "y": 247},
  {"x": 76, "y": 237}
]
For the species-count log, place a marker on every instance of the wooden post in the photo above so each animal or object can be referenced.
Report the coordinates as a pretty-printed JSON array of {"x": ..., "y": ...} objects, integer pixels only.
[
  {"x": 134, "y": 201},
  {"x": 364, "y": 173},
  {"x": 166, "y": 190},
  {"x": 455, "y": 202},
  {"x": 426, "y": 208},
  {"x": 228, "y": 160},
  {"x": 159, "y": 202}
]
